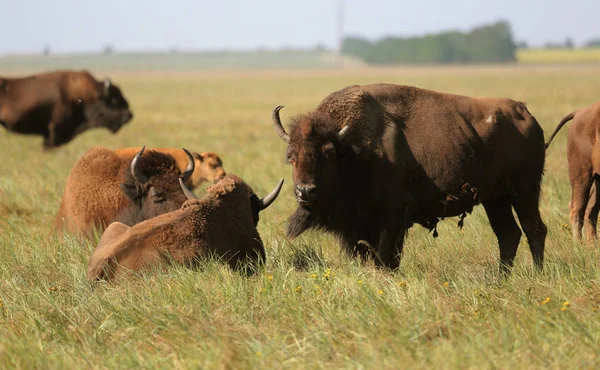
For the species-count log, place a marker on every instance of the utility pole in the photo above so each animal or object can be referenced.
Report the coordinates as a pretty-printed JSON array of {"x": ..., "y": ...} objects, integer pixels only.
[{"x": 340, "y": 26}]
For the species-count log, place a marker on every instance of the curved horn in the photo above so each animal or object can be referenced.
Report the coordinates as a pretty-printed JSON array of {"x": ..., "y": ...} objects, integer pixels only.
[
  {"x": 266, "y": 201},
  {"x": 190, "y": 167},
  {"x": 277, "y": 124},
  {"x": 188, "y": 193},
  {"x": 343, "y": 132},
  {"x": 107, "y": 84},
  {"x": 135, "y": 172}
]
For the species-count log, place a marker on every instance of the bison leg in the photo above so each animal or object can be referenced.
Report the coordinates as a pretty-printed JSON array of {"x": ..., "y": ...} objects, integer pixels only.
[
  {"x": 527, "y": 208},
  {"x": 390, "y": 248},
  {"x": 499, "y": 212},
  {"x": 579, "y": 200},
  {"x": 592, "y": 211}
]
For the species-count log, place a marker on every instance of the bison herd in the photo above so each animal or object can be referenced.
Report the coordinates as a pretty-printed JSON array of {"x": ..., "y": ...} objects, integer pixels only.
[{"x": 368, "y": 163}]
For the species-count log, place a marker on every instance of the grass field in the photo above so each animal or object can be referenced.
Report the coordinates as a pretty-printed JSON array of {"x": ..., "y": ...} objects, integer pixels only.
[
  {"x": 311, "y": 307},
  {"x": 537, "y": 56}
]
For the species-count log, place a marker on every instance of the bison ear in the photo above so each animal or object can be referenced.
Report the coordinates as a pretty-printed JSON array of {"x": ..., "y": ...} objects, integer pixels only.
[
  {"x": 329, "y": 150},
  {"x": 131, "y": 191},
  {"x": 199, "y": 157}
]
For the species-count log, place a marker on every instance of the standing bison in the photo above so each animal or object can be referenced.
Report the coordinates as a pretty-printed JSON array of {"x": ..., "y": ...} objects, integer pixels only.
[
  {"x": 583, "y": 155},
  {"x": 370, "y": 161},
  {"x": 208, "y": 165},
  {"x": 103, "y": 187},
  {"x": 60, "y": 105},
  {"x": 222, "y": 224}
]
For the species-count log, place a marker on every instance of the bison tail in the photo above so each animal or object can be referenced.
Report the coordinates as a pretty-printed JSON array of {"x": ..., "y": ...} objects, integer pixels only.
[{"x": 566, "y": 119}]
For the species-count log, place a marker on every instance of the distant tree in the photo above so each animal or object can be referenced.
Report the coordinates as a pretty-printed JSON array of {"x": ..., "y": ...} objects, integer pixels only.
[
  {"x": 173, "y": 50},
  {"x": 522, "y": 45},
  {"x": 553, "y": 45},
  {"x": 491, "y": 43},
  {"x": 593, "y": 43},
  {"x": 46, "y": 50},
  {"x": 109, "y": 49},
  {"x": 569, "y": 44},
  {"x": 320, "y": 47}
]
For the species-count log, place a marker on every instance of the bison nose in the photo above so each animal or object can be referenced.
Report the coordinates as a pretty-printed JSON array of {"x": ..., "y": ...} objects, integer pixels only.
[
  {"x": 306, "y": 193},
  {"x": 129, "y": 116}
]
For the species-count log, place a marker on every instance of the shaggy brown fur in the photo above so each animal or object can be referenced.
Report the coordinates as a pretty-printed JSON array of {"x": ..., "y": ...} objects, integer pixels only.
[
  {"x": 100, "y": 189},
  {"x": 370, "y": 161},
  {"x": 209, "y": 166},
  {"x": 222, "y": 224},
  {"x": 60, "y": 105},
  {"x": 583, "y": 156}
]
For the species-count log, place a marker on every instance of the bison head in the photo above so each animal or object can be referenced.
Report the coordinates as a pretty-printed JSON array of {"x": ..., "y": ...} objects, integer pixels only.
[
  {"x": 234, "y": 188},
  {"x": 110, "y": 109},
  {"x": 316, "y": 153},
  {"x": 209, "y": 167},
  {"x": 152, "y": 185}
]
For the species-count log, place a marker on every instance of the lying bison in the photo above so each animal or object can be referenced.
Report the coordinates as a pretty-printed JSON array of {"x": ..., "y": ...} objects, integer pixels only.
[
  {"x": 583, "y": 156},
  {"x": 370, "y": 161},
  {"x": 208, "y": 165},
  {"x": 60, "y": 105},
  {"x": 222, "y": 224},
  {"x": 103, "y": 187}
]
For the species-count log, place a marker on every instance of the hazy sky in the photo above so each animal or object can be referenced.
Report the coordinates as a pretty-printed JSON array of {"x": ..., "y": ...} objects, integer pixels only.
[{"x": 88, "y": 25}]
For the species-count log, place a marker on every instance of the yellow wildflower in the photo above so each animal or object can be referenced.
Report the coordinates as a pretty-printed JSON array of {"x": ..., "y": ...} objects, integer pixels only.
[
  {"x": 566, "y": 304},
  {"x": 298, "y": 289},
  {"x": 360, "y": 282},
  {"x": 380, "y": 292},
  {"x": 269, "y": 277},
  {"x": 475, "y": 313},
  {"x": 546, "y": 301},
  {"x": 402, "y": 283},
  {"x": 446, "y": 284},
  {"x": 314, "y": 276},
  {"x": 262, "y": 290},
  {"x": 259, "y": 353}
]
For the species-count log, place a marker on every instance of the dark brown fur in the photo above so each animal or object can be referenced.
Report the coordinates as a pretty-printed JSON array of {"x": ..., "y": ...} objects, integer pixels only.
[
  {"x": 100, "y": 189},
  {"x": 221, "y": 224},
  {"x": 60, "y": 105},
  {"x": 415, "y": 156},
  {"x": 583, "y": 156}
]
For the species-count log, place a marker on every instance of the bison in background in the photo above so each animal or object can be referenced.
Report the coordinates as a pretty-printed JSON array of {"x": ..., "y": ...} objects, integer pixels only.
[
  {"x": 103, "y": 187},
  {"x": 371, "y": 161},
  {"x": 222, "y": 224},
  {"x": 583, "y": 156},
  {"x": 60, "y": 105},
  {"x": 208, "y": 165}
]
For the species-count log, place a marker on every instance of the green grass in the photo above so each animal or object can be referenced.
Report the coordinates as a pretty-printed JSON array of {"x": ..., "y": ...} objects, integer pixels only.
[
  {"x": 558, "y": 55},
  {"x": 311, "y": 307}
]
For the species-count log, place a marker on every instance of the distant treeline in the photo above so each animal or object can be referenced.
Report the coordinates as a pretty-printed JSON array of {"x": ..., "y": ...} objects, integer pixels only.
[{"x": 486, "y": 44}]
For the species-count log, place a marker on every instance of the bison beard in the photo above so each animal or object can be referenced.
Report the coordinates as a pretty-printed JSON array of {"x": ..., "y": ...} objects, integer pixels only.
[{"x": 373, "y": 160}]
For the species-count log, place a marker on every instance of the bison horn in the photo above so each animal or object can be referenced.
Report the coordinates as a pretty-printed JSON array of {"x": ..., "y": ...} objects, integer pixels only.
[
  {"x": 277, "y": 124},
  {"x": 343, "y": 132},
  {"x": 188, "y": 193},
  {"x": 135, "y": 171},
  {"x": 190, "y": 167},
  {"x": 266, "y": 201},
  {"x": 107, "y": 84}
]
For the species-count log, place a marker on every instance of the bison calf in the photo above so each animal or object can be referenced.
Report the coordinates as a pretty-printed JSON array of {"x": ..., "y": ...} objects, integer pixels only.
[
  {"x": 104, "y": 187},
  {"x": 583, "y": 156},
  {"x": 60, "y": 105},
  {"x": 222, "y": 224},
  {"x": 208, "y": 165}
]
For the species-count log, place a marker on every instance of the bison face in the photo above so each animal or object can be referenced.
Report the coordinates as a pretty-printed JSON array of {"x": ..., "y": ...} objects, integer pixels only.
[
  {"x": 209, "y": 167},
  {"x": 110, "y": 110},
  {"x": 153, "y": 186},
  {"x": 317, "y": 155}
]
